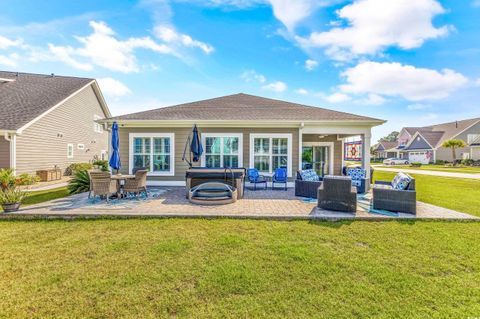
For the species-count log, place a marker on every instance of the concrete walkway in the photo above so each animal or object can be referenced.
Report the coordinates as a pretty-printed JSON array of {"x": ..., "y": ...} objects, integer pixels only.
[{"x": 426, "y": 172}]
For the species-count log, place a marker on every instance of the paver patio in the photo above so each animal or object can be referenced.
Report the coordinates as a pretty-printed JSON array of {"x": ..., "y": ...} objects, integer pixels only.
[{"x": 171, "y": 202}]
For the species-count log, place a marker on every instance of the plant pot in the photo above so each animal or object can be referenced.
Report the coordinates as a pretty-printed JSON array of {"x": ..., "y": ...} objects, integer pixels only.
[{"x": 12, "y": 207}]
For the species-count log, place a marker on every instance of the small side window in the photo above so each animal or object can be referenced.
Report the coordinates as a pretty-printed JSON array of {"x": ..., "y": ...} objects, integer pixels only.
[
  {"x": 97, "y": 127},
  {"x": 81, "y": 146},
  {"x": 69, "y": 150}
]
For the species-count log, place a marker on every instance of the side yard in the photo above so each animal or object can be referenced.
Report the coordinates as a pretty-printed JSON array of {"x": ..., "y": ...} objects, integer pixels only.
[
  {"x": 459, "y": 194},
  {"x": 238, "y": 268},
  {"x": 439, "y": 168}
]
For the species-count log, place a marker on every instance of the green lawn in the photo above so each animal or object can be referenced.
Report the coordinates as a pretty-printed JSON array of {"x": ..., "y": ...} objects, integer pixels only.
[
  {"x": 439, "y": 168},
  {"x": 460, "y": 194},
  {"x": 239, "y": 269}
]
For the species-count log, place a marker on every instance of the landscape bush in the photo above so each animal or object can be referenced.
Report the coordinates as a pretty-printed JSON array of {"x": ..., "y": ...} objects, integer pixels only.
[
  {"x": 26, "y": 179},
  {"x": 103, "y": 165},
  {"x": 415, "y": 164},
  {"x": 79, "y": 183},
  {"x": 75, "y": 167}
]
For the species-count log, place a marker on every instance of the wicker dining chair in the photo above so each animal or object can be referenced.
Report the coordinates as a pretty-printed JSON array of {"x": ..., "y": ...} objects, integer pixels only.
[
  {"x": 102, "y": 184},
  {"x": 93, "y": 170},
  {"x": 138, "y": 184}
]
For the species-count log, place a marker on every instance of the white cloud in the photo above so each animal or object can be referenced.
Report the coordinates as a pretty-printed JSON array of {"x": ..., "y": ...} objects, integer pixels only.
[
  {"x": 418, "y": 106},
  {"x": 253, "y": 76},
  {"x": 373, "y": 99},
  {"x": 113, "y": 88},
  {"x": 10, "y": 60},
  {"x": 377, "y": 24},
  {"x": 6, "y": 43},
  {"x": 171, "y": 36},
  {"x": 476, "y": 3},
  {"x": 395, "y": 79},
  {"x": 102, "y": 48},
  {"x": 477, "y": 82},
  {"x": 277, "y": 86},
  {"x": 301, "y": 91},
  {"x": 290, "y": 13},
  {"x": 310, "y": 65},
  {"x": 337, "y": 98}
]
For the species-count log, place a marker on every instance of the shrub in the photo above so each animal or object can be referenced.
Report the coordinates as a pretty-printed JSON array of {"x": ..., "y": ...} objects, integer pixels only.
[
  {"x": 26, "y": 179},
  {"x": 415, "y": 164},
  {"x": 7, "y": 179},
  {"x": 440, "y": 162},
  {"x": 79, "y": 183},
  {"x": 75, "y": 167},
  {"x": 103, "y": 165},
  {"x": 11, "y": 196},
  {"x": 467, "y": 162}
]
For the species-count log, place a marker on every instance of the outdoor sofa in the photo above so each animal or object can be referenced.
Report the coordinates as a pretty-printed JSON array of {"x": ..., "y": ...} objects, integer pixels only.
[
  {"x": 307, "y": 183},
  {"x": 337, "y": 193},
  {"x": 399, "y": 195}
]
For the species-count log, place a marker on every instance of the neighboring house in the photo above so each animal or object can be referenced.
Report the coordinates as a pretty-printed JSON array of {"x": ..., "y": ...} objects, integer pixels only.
[
  {"x": 238, "y": 130},
  {"x": 424, "y": 144},
  {"x": 50, "y": 120},
  {"x": 385, "y": 149}
]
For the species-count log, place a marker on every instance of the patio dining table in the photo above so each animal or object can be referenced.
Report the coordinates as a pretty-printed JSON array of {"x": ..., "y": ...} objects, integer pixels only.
[{"x": 119, "y": 178}]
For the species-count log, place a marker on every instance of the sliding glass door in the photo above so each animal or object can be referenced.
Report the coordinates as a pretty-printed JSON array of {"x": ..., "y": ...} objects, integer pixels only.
[{"x": 317, "y": 158}]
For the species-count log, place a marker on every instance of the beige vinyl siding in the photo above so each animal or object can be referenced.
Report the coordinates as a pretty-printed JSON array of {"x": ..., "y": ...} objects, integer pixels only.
[
  {"x": 44, "y": 144},
  {"x": 4, "y": 153},
  {"x": 181, "y": 134},
  {"x": 445, "y": 154},
  {"x": 337, "y": 149}
]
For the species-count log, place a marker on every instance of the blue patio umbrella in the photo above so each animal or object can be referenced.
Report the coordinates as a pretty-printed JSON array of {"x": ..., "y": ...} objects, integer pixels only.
[
  {"x": 196, "y": 145},
  {"x": 115, "y": 162}
]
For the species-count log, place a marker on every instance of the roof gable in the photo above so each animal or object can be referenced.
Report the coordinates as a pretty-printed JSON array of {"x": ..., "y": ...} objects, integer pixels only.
[
  {"x": 29, "y": 96},
  {"x": 243, "y": 107}
]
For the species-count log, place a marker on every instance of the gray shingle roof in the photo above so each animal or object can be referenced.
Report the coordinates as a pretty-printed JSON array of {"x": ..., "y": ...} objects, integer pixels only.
[
  {"x": 238, "y": 107},
  {"x": 388, "y": 145},
  {"x": 30, "y": 95}
]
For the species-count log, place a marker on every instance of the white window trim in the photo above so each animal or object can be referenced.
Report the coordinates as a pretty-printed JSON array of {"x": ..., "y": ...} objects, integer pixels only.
[
  {"x": 240, "y": 146},
  {"x": 331, "y": 151},
  {"x": 97, "y": 127},
  {"x": 131, "y": 136},
  {"x": 70, "y": 145},
  {"x": 288, "y": 136}
]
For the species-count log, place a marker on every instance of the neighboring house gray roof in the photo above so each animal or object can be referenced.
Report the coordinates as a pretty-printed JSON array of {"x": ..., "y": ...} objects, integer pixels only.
[
  {"x": 436, "y": 134},
  {"x": 30, "y": 95},
  {"x": 238, "y": 107},
  {"x": 388, "y": 145}
]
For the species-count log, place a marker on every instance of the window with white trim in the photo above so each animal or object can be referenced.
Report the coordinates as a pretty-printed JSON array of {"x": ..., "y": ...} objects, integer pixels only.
[
  {"x": 222, "y": 150},
  {"x": 271, "y": 151},
  {"x": 473, "y": 138},
  {"x": 152, "y": 151},
  {"x": 81, "y": 146},
  {"x": 97, "y": 127},
  {"x": 69, "y": 150}
]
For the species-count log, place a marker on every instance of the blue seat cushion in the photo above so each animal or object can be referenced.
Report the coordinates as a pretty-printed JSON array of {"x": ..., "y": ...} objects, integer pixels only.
[
  {"x": 309, "y": 175},
  {"x": 356, "y": 182},
  {"x": 401, "y": 181},
  {"x": 357, "y": 173}
]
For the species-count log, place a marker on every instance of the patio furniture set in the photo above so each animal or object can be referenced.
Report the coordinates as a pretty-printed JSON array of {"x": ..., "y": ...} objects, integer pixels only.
[{"x": 105, "y": 184}]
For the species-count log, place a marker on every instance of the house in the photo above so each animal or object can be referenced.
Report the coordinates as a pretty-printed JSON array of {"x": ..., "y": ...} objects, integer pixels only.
[
  {"x": 239, "y": 130},
  {"x": 424, "y": 144},
  {"x": 385, "y": 149},
  {"x": 50, "y": 120}
]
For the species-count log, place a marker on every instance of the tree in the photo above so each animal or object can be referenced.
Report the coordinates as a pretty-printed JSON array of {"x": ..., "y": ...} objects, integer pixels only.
[
  {"x": 454, "y": 144},
  {"x": 392, "y": 137}
]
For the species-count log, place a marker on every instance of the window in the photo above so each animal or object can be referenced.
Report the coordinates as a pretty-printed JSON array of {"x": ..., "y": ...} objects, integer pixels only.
[
  {"x": 69, "y": 150},
  {"x": 153, "y": 151},
  {"x": 271, "y": 151},
  {"x": 97, "y": 127},
  {"x": 222, "y": 150},
  {"x": 80, "y": 146},
  {"x": 473, "y": 138}
]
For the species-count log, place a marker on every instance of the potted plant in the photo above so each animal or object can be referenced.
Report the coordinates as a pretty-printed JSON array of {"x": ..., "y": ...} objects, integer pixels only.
[{"x": 11, "y": 199}]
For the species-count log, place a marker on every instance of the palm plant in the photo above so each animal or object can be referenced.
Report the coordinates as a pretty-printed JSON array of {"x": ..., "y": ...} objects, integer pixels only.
[
  {"x": 79, "y": 183},
  {"x": 454, "y": 144},
  {"x": 7, "y": 179},
  {"x": 11, "y": 196}
]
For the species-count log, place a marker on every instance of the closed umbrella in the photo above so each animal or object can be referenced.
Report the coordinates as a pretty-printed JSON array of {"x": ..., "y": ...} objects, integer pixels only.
[
  {"x": 115, "y": 158},
  {"x": 196, "y": 146}
]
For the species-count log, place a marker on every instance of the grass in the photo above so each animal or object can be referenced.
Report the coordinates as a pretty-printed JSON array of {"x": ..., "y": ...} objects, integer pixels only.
[
  {"x": 36, "y": 197},
  {"x": 439, "y": 168},
  {"x": 238, "y": 268},
  {"x": 461, "y": 194}
]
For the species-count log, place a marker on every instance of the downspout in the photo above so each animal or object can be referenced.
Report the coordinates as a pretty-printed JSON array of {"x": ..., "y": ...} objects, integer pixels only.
[{"x": 13, "y": 149}]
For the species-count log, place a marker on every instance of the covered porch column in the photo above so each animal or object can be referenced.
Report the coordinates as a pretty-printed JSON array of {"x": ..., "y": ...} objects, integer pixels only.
[{"x": 366, "y": 137}]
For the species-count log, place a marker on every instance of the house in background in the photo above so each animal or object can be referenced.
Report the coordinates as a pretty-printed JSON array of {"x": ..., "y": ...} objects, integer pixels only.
[
  {"x": 50, "y": 120},
  {"x": 424, "y": 144},
  {"x": 239, "y": 130},
  {"x": 385, "y": 149}
]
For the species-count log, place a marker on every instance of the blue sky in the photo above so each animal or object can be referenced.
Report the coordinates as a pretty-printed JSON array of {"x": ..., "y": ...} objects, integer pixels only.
[{"x": 408, "y": 62}]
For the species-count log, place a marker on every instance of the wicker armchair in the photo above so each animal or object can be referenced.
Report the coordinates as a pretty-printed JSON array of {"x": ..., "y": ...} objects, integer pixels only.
[
  {"x": 385, "y": 197},
  {"x": 136, "y": 185},
  {"x": 306, "y": 188},
  {"x": 93, "y": 170},
  {"x": 337, "y": 193},
  {"x": 102, "y": 184}
]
